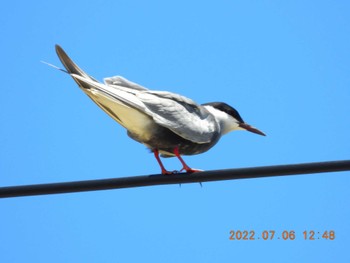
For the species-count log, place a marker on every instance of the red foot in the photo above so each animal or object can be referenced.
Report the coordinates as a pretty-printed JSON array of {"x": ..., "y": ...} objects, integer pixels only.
[
  {"x": 166, "y": 172},
  {"x": 185, "y": 167},
  {"x": 191, "y": 170}
]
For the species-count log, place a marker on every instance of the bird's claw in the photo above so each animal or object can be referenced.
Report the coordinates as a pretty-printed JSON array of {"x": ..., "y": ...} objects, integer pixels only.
[
  {"x": 191, "y": 170},
  {"x": 165, "y": 172}
]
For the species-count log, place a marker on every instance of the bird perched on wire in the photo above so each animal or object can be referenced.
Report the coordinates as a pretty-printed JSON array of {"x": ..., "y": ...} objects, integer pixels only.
[{"x": 167, "y": 123}]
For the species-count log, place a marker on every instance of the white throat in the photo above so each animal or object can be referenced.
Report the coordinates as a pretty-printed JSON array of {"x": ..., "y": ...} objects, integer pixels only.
[{"x": 226, "y": 122}]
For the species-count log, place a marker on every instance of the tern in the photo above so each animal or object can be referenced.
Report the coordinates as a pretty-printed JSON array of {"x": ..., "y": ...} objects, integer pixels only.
[{"x": 167, "y": 123}]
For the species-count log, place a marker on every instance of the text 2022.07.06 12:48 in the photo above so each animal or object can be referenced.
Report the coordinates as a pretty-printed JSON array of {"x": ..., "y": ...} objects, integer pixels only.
[{"x": 281, "y": 235}]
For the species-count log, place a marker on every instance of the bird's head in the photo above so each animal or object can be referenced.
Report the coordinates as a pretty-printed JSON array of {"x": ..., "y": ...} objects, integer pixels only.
[{"x": 229, "y": 118}]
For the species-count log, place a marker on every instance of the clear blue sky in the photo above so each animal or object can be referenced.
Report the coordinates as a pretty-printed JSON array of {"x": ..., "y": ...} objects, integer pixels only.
[{"x": 283, "y": 64}]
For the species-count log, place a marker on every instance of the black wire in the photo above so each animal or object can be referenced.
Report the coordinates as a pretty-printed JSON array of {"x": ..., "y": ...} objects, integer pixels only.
[{"x": 148, "y": 180}]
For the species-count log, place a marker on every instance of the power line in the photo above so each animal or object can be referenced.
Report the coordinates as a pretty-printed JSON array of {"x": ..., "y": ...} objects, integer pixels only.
[{"x": 158, "y": 179}]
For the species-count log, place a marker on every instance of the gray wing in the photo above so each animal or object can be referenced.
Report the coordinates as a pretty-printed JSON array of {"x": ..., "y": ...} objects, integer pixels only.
[
  {"x": 175, "y": 112},
  {"x": 181, "y": 115}
]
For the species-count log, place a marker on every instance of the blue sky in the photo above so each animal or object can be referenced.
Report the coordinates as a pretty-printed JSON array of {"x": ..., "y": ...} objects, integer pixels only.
[{"x": 283, "y": 64}]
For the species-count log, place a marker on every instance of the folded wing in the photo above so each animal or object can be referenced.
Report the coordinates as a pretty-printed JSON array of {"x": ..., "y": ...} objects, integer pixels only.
[
  {"x": 123, "y": 99},
  {"x": 180, "y": 114}
]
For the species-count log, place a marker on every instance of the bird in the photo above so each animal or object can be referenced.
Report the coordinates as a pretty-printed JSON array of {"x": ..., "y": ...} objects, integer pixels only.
[{"x": 169, "y": 124}]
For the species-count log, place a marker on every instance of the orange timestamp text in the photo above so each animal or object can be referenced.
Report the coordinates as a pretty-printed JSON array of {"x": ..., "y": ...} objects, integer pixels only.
[{"x": 281, "y": 235}]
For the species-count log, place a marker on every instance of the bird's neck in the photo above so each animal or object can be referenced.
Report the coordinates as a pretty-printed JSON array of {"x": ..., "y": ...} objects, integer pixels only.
[{"x": 226, "y": 122}]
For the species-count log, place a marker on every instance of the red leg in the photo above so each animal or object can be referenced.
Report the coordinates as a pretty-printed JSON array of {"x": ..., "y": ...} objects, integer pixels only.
[
  {"x": 156, "y": 154},
  {"x": 185, "y": 166}
]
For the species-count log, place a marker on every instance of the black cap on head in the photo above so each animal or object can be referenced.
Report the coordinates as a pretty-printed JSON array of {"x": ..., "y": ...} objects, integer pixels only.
[{"x": 226, "y": 108}]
